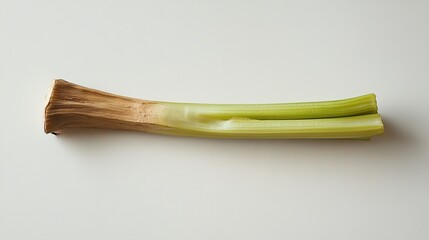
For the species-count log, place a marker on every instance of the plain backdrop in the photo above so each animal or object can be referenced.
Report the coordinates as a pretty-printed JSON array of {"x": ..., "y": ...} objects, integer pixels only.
[{"x": 125, "y": 185}]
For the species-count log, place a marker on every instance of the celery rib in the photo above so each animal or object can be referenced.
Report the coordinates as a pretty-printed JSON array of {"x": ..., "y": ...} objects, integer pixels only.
[
  {"x": 361, "y": 105},
  {"x": 355, "y": 127},
  {"x": 73, "y": 106}
]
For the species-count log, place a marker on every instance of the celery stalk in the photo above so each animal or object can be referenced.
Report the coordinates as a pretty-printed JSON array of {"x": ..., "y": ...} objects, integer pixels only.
[{"x": 73, "y": 106}]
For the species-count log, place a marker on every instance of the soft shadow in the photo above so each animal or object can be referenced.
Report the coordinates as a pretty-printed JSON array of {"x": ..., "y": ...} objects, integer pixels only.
[{"x": 101, "y": 140}]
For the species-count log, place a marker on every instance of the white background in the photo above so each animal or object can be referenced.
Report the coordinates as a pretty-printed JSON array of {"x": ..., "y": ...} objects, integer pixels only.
[{"x": 124, "y": 185}]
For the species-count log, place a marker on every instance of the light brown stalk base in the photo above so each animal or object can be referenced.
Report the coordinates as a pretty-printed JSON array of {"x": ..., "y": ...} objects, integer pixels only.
[{"x": 73, "y": 106}]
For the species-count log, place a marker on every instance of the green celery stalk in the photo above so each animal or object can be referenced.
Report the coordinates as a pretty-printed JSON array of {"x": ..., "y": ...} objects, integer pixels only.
[{"x": 72, "y": 106}]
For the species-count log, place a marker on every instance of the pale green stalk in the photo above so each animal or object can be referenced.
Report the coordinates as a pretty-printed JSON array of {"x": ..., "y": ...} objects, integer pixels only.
[{"x": 361, "y": 105}]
